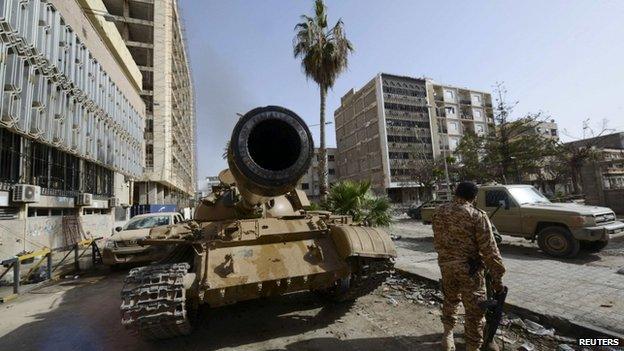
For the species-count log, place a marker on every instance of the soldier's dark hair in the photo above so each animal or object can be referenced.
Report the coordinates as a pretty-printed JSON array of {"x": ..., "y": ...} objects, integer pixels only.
[{"x": 466, "y": 190}]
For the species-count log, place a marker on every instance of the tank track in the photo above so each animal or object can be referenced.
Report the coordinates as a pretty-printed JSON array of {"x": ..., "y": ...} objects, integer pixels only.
[
  {"x": 368, "y": 274},
  {"x": 154, "y": 301}
]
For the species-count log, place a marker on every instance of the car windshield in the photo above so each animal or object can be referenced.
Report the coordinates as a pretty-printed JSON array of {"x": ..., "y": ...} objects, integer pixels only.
[
  {"x": 147, "y": 222},
  {"x": 527, "y": 195}
]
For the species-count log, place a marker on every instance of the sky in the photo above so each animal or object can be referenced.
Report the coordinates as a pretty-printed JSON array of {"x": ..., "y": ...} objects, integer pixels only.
[{"x": 562, "y": 58}]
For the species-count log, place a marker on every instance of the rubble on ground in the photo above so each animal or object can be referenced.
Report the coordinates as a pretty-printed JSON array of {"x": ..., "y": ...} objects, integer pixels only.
[{"x": 514, "y": 332}]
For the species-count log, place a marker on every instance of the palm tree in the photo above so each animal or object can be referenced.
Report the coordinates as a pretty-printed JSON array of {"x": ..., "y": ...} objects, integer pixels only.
[
  {"x": 324, "y": 55},
  {"x": 356, "y": 200}
]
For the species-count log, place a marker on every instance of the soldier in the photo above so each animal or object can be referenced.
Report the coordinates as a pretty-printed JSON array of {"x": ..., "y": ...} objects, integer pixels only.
[{"x": 462, "y": 236}]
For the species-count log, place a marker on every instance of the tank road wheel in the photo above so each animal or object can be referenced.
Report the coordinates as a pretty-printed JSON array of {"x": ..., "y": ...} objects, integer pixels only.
[
  {"x": 154, "y": 301},
  {"x": 594, "y": 246},
  {"x": 366, "y": 275},
  {"x": 558, "y": 241}
]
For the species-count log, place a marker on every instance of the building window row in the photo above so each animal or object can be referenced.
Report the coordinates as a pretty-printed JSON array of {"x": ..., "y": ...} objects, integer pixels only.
[
  {"x": 61, "y": 173},
  {"x": 402, "y": 107},
  {"x": 402, "y": 91},
  {"x": 408, "y": 139},
  {"x": 405, "y": 123}
]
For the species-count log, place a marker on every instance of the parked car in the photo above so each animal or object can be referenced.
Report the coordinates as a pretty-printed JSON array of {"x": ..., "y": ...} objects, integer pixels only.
[
  {"x": 122, "y": 247},
  {"x": 561, "y": 229},
  {"x": 415, "y": 212}
]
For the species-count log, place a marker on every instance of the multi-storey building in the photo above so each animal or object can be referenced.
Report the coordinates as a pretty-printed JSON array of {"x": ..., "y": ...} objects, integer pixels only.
[
  {"x": 153, "y": 33},
  {"x": 71, "y": 124},
  {"x": 388, "y": 130},
  {"x": 602, "y": 176},
  {"x": 309, "y": 183},
  {"x": 458, "y": 111}
]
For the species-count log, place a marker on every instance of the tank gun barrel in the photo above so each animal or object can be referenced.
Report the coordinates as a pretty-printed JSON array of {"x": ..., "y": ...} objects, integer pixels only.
[{"x": 270, "y": 150}]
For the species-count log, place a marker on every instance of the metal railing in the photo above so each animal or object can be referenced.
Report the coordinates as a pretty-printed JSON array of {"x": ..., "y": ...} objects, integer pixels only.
[{"x": 45, "y": 254}]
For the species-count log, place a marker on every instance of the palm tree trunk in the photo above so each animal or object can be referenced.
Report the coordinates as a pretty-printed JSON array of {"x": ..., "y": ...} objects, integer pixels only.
[{"x": 322, "y": 168}]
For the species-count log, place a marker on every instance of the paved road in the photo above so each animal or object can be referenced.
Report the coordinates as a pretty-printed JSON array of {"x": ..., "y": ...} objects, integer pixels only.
[
  {"x": 83, "y": 314},
  {"x": 587, "y": 289}
]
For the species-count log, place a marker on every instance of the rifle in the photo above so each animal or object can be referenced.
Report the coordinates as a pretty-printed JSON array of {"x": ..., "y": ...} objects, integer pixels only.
[{"x": 493, "y": 310}]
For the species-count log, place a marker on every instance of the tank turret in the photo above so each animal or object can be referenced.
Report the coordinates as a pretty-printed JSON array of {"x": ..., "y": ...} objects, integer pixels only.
[{"x": 269, "y": 151}]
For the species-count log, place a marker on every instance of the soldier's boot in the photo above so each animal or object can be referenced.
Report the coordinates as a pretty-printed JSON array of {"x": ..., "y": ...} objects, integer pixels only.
[
  {"x": 491, "y": 346},
  {"x": 448, "y": 343}
]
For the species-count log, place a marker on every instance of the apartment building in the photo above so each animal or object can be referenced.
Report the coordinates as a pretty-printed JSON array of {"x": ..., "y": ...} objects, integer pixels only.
[
  {"x": 71, "y": 124},
  {"x": 602, "y": 176},
  {"x": 458, "y": 111},
  {"x": 394, "y": 125},
  {"x": 154, "y": 35},
  {"x": 309, "y": 183}
]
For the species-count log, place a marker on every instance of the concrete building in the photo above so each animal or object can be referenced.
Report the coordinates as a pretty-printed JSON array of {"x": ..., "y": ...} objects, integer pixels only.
[
  {"x": 71, "y": 125},
  {"x": 386, "y": 130},
  {"x": 602, "y": 177},
  {"x": 309, "y": 183},
  {"x": 154, "y": 35}
]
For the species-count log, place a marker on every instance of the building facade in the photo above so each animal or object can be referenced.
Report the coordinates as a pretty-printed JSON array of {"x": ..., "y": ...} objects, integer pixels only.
[
  {"x": 387, "y": 130},
  {"x": 602, "y": 176},
  {"x": 71, "y": 125},
  {"x": 154, "y": 35},
  {"x": 309, "y": 183}
]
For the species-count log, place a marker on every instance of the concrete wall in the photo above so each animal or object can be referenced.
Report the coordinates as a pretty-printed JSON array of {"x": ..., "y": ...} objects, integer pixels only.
[{"x": 33, "y": 233}]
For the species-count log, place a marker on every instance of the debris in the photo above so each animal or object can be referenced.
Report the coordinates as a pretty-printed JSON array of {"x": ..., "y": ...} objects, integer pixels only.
[
  {"x": 392, "y": 301},
  {"x": 518, "y": 322},
  {"x": 537, "y": 329},
  {"x": 395, "y": 237},
  {"x": 621, "y": 270},
  {"x": 527, "y": 346},
  {"x": 609, "y": 304},
  {"x": 564, "y": 347},
  {"x": 505, "y": 339}
]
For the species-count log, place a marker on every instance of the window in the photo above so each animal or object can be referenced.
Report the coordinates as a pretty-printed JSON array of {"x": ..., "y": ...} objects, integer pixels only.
[
  {"x": 331, "y": 171},
  {"x": 493, "y": 198},
  {"x": 9, "y": 156},
  {"x": 478, "y": 114},
  {"x": 453, "y": 127},
  {"x": 479, "y": 129},
  {"x": 453, "y": 142},
  {"x": 147, "y": 222},
  {"x": 330, "y": 158},
  {"x": 449, "y": 95},
  {"x": 305, "y": 186},
  {"x": 476, "y": 99},
  {"x": 450, "y": 110}
]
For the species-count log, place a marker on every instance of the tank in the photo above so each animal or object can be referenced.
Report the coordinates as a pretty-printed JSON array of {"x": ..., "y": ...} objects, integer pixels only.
[{"x": 253, "y": 237}]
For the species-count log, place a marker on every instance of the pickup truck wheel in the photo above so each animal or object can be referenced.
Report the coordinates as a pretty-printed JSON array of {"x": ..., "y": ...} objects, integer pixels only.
[
  {"x": 558, "y": 242},
  {"x": 594, "y": 246}
]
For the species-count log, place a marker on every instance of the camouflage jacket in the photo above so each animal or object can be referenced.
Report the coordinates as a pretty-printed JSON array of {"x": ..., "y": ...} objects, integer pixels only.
[{"x": 462, "y": 232}]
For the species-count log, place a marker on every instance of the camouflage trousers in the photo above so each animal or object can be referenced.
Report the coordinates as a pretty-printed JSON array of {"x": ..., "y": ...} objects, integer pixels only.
[{"x": 458, "y": 285}]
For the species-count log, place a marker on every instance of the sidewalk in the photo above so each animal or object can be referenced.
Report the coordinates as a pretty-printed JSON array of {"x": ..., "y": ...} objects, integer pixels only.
[{"x": 585, "y": 295}]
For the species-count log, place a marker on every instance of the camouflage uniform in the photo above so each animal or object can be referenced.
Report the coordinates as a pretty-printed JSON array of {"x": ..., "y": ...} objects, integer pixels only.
[{"x": 462, "y": 236}]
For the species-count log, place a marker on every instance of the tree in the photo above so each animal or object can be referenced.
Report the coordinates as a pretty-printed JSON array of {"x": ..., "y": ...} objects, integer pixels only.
[
  {"x": 584, "y": 149},
  {"x": 324, "y": 55},
  {"x": 509, "y": 152},
  {"x": 356, "y": 200}
]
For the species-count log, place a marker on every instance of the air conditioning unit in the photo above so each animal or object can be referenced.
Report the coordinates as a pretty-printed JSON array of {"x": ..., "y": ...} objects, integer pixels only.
[
  {"x": 84, "y": 199},
  {"x": 113, "y": 202},
  {"x": 26, "y": 193}
]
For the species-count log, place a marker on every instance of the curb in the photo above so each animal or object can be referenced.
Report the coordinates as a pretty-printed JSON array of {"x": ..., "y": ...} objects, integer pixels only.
[{"x": 569, "y": 327}]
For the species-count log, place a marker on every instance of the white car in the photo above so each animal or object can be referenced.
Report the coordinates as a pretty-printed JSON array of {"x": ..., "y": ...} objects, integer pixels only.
[{"x": 122, "y": 247}]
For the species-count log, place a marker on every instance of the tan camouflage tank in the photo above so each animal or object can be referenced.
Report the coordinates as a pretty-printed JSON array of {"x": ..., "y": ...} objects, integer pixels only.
[{"x": 253, "y": 237}]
